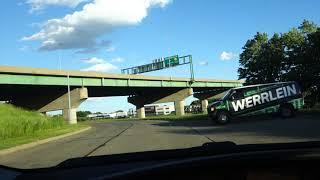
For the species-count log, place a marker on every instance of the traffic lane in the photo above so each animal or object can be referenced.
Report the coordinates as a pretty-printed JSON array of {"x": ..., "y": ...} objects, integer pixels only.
[
  {"x": 53, "y": 153},
  {"x": 146, "y": 135},
  {"x": 252, "y": 130},
  {"x": 134, "y": 136}
]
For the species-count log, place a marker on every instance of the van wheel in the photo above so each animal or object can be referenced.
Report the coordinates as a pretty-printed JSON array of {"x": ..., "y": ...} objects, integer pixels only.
[
  {"x": 286, "y": 111},
  {"x": 222, "y": 117}
]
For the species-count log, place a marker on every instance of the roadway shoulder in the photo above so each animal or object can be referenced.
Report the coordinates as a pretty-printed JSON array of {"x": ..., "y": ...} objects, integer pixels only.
[{"x": 36, "y": 143}]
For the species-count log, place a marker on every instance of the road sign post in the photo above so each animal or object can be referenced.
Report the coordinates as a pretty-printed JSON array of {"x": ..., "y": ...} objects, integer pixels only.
[{"x": 191, "y": 69}]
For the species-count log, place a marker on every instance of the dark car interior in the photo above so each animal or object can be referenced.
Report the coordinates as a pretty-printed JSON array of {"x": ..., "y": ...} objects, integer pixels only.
[{"x": 225, "y": 160}]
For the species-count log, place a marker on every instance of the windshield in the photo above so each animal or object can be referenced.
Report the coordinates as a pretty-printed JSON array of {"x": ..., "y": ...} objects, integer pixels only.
[
  {"x": 220, "y": 97},
  {"x": 225, "y": 95},
  {"x": 82, "y": 78}
]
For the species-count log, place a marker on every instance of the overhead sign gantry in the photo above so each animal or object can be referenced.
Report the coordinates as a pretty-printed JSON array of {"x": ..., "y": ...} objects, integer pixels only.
[{"x": 161, "y": 63}]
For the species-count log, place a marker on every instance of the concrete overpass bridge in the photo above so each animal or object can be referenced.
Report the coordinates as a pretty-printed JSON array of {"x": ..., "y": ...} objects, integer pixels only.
[{"x": 46, "y": 90}]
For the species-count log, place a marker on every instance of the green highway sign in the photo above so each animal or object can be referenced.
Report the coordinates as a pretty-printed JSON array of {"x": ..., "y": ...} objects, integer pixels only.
[
  {"x": 161, "y": 63},
  {"x": 171, "y": 61}
]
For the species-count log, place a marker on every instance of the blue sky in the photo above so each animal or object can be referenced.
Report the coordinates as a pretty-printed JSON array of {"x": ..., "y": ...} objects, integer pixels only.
[{"x": 144, "y": 30}]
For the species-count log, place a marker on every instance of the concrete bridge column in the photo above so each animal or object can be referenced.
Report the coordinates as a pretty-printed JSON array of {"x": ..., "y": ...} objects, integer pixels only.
[
  {"x": 77, "y": 96},
  {"x": 53, "y": 101},
  {"x": 70, "y": 115},
  {"x": 179, "y": 107},
  {"x": 204, "y": 105},
  {"x": 140, "y": 112},
  {"x": 165, "y": 95}
]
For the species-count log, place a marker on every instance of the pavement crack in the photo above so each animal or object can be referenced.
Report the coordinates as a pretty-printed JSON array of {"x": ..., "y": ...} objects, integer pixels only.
[
  {"x": 198, "y": 132},
  {"x": 106, "y": 142}
]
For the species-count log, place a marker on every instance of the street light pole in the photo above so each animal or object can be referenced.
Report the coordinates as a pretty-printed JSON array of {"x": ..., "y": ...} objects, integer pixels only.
[
  {"x": 69, "y": 97},
  {"x": 60, "y": 61}
]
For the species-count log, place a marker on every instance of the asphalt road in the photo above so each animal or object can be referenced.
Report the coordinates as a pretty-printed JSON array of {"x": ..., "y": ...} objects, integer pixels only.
[{"x": 133, "y": 136}]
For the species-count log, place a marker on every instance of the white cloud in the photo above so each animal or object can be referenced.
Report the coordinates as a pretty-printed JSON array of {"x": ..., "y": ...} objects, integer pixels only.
[
  {"x": 94, "y": 60},
  {"x": 105, "y": 67},
  {"x": 80, "y": 29},
  {"x": 99, "y": 65},
  {"x": 118, "y": 60},
  {"x": 228, "y": 55},
  {"x": 36, "y": 5},
  {"x": 203, "y": 63}
]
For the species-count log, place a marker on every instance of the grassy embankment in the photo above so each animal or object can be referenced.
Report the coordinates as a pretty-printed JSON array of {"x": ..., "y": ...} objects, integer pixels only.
[
  {"x": 163, "y": 117},
  {"x": 18, "y": 126}
]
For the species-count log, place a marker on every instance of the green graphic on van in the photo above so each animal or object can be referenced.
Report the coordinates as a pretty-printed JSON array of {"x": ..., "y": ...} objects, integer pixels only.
[
  {"x": 284, "y": 97},
  {"x": 264, "y": 97}
]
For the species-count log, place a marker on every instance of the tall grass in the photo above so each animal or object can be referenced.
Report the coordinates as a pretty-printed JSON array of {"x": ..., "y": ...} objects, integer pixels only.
[{"x": 16, "y": 122}]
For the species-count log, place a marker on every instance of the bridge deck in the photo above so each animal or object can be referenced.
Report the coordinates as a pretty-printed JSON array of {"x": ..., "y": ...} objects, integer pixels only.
[{"x": 41, "y": 76}]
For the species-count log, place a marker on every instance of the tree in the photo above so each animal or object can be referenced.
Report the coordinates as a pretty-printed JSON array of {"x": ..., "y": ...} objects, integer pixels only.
[
  {"x": 83, "y": 113},
  {"x": 291, "y": 56},
  {"x": 259, "y": 53},
  {"x": 296, "y": 42},
  {"x": 308, "y": 27},
  {"x": 310, "y": 68},
  {"x": 195, "y": 102}
]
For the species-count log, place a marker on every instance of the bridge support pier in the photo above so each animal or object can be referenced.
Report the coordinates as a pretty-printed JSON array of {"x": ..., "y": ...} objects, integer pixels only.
[
  {"x": 179, "y": 107},
  {"x": 165, "y": 95},
  {"x": 140, "y": 112},
  {"x": 204, "y": 96},
  {"x": 204, "y": 105},
  {"x": 55, "y": 101},
  {"x": 70, "y": 115},
  {"x": 77, "y": 96}
]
